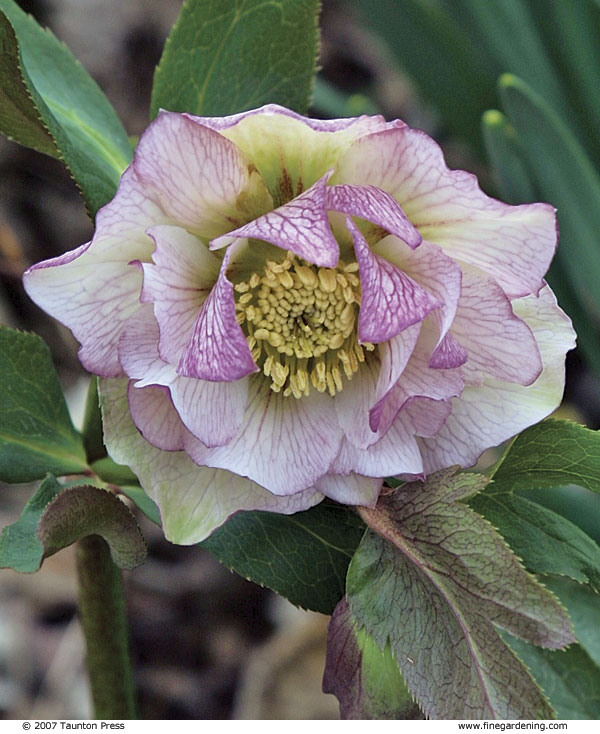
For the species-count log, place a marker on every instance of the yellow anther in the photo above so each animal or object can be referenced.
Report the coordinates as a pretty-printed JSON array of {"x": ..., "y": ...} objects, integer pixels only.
[
  {"x": 327, "y": 280},
  {"x": 261, "y": 334},
  {"x": 307, "y": 276},
  {"x": 286, "y": 279},
  {"x": 347, "y": 315},
  {"x": 300, "y": 322},
  {"x": 336, "y": 341}
]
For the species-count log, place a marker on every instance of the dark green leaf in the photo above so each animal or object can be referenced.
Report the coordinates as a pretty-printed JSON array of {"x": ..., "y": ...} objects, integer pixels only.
[
  {"x": 569, "y": 678},
  {"x": 83, "y": 125},
  {"x": 434, "y": 579},
  {"x": 226, "y": 56},
  {"x": 19, "y": 119},
  {"x": 365, "y": 680},
  {"x": 545, "y": 541},
  {"x": 550, "y": 454},
  {"x": 584, "y": 609},
  {"x": 36, "y": 433},
  {"x": 577, "y": 504},
  {"x": 303, "y": 557},
  {"x": 81, "y": 511},
  {"x": 566, "y": 178},
  {"x": 20, "y": 548}
]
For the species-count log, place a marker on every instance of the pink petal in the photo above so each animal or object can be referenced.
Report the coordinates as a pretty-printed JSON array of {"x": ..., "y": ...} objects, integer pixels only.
[
  {"x": 442, "y": 278},
  {"x": 374, "y": 205},
  {"x": 418, "y": 380},
  {"x": 499, "y": 343},
  {"x": 196, "y": 175},
  {"x": 398, "y": 451},
  {"x": 391, "y": 300},
  {"x": 193, "y": 500},
  {"x": 93, "y": 290},
  {"x": 350, "y": 489},
  {"x": 217, "y": 349},
  {"x": 300, "y": 226},
  {"x": 177, "y": 283},
  {"x": 513, "y": 244},
  {"x": 154, "y": 416},
  {"x": 211, "y": 411},
  {"x": 353, "y": 403},
  {"x": 486, "y": 415},
  {"x": 284, "y": 444}
]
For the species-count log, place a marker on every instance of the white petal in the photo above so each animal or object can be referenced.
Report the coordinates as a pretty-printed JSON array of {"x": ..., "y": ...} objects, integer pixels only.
[
  {"x": 193, "y": 500},
  {"x": 284, "y": 444},
  {"x": 487, "y": 415}
]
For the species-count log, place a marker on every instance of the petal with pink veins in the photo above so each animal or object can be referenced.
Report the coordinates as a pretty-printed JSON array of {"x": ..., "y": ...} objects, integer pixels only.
[
  {"x": 93, "y": 290},
  {"x": 193, "y": 500},
  {"x": 391, "y": 300},
  {"x": 290, "y": 151},
  {"x": 498, "y": 342},
  {"x": 513, "y": 244},
  {"x": 373, "y": 205},
  {"x": 398, "y": 451},
  {"x": 211, "y": 411},
  {"x": 217, "y": 349},
  {"x": 283, "y": 444},
  {"x": 442, "y": 277},
  {"x": 418, "y": 380},
  {"x": 300, "y": 226},
  {"x": 177, "y": 282},
  {"x": 198, "y": 177},
  {"x": 485, "y": 416}
]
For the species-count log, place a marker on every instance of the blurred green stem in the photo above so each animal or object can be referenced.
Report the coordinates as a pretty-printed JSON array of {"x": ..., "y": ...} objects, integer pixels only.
[{"x": 102, "y": 609}]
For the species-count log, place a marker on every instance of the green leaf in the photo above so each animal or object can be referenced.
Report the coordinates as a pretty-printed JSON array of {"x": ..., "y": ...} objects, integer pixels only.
[
  {"x": 83, "y": 124},
  {"x": 365, "y": 680},
  {"x": 550, "y": 454},
  {"x": 569, "y": 678},
  {"x": 81, "y": 511},
  {"x": 435, "y": 579},
  {"x": 545, "y": 541},
  {"x": 20, "y": 548},
  {"x": 19, "y": 119},
  {"x": 303, "y": 557},
  {"x": 226, "y": 56},
  {"x": 453, "y": 73},
  {"x": 36, "y": 433},
  {"x": 566, "y": 178},
  {"x": 577, "y": 504},
  {"x": 584, "y": 609}
]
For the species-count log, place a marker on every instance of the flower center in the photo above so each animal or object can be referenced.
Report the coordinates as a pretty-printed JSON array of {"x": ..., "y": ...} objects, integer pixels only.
[{"x": 300, "y": 322}]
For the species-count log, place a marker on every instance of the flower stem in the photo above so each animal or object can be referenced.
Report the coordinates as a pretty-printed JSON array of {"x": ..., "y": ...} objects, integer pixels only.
[{"x": 102, "y": 609}]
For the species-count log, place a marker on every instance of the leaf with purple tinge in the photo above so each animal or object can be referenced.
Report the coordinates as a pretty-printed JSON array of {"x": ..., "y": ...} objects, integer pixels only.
[
  {"x": 365, "y": 680},
  {"x": 433, "y": 578}
]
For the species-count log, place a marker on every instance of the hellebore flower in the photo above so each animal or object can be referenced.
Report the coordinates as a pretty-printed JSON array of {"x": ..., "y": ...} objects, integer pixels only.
[{"x": 287, "y": 308}]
